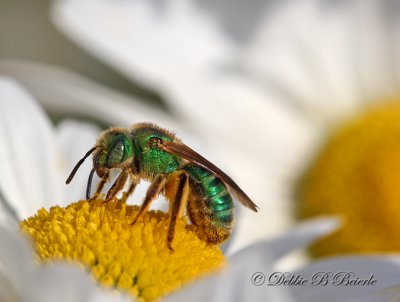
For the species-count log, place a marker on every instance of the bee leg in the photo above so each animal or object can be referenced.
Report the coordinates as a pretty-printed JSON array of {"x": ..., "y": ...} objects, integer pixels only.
[
  {"x": 117, "y": 186},
  {"x": 100, "y": 187},
  {"x": 132, "y": 186},
  {"x": 177, "y": 191},
  {"x": 155, "y": 188}
]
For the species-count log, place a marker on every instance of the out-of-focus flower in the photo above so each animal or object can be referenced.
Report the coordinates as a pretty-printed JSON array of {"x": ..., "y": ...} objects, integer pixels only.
[
  {"x": 269, "y": 86},
  {"x": 355, "y": 175}
]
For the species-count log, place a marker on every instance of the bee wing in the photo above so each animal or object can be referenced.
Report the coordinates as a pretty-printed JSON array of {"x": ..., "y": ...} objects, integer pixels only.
[{"x": 192, "y": 156}]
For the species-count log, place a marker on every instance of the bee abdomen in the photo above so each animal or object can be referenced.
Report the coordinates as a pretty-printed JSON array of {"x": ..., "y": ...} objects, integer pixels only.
[{"x": 210, "y": 205}]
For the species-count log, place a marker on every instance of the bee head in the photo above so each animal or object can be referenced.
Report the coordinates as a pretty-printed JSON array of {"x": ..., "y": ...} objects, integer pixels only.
[{"x": 113, "y": 150}]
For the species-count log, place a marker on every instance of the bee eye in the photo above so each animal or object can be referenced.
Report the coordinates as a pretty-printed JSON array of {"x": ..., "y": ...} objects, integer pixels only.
[{"x": 116, "y": 154}]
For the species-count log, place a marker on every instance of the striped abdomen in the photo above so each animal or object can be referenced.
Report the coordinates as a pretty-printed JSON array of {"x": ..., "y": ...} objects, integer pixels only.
[{"x": 210, "y": 205}]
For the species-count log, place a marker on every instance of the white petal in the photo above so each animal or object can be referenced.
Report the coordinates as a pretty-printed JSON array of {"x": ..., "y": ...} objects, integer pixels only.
[
  {"x": 30, "y": 163},
  {"x": 232, "y": 286},
  {"x": 8, "y": 216},
  {"x": 300, "y": 236},
  {"x": 374, "y": 31},
  {"x": 303, "y": 50},
  {"x": 235, "y": 283},
  {"x": 16, "y": 261},
  {"x": 75, "y": 139},
  {"x": 100, "y": 295},
  {"x": 384, "y": 269},
  {"x": 61, "y": 282},
  {"x": 141, "y": 38},
  {"x": 65, "y": 283},
  {"x": 26, "y": 281},
  {"x": 330, "y": 58},
  {"x": 64, "y": 92},
  {"x": 7, "y": 292}
]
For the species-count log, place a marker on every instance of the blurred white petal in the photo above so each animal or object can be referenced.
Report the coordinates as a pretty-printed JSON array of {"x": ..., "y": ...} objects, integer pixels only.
[
  {"x": 385, "y": 269},
  {"x": 15, "y": 258},
  {"x": 30, "y": 163},
  {"x": 290, "y": 52},
  {"x": 75, "y": 139},
  {"x": 141, "y": 38},
  {"x": 65, "y": 283},
  {"x": 330, "y": 58},
  {"x": 56, "y": 282},
  {"x": 8, "y": 216},
  {"x": 7, "y": 292},
  {"x": 67, "y": 93},
  {"x": 234, "y": 283}
]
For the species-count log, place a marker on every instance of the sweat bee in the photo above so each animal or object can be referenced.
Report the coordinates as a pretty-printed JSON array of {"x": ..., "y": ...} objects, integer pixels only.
[{"x": 188, "y": 180}]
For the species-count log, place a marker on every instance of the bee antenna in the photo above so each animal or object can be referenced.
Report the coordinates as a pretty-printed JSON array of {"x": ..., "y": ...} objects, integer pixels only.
[
  {"x": 78, "y": 165},
  {"x": 89, "y": 183}
]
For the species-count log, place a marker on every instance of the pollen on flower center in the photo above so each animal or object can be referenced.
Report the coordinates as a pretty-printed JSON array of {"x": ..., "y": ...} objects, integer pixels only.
[
  {"x": 135, "y": 258},
  {"x": 356, "y": 175}
]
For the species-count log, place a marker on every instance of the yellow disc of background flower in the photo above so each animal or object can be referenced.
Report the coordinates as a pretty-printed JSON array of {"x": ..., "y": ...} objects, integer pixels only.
[{"x": 357, "y": 175}]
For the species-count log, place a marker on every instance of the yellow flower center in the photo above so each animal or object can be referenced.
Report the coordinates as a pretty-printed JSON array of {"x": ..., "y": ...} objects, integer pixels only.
[
  {"x": 135, "y": 259},
  {"x": 357, "y": 175}
]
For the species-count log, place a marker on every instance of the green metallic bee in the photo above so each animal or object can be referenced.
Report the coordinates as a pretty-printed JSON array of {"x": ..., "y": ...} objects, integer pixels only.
[{"x": 187, "y": 179}]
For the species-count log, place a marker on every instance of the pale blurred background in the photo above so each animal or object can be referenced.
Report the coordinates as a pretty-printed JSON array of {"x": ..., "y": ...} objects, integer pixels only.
[{"x": 26, "y": 33}]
